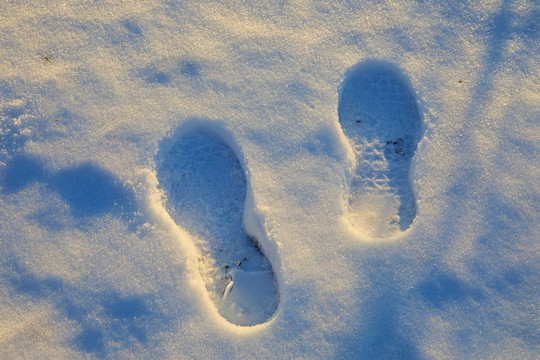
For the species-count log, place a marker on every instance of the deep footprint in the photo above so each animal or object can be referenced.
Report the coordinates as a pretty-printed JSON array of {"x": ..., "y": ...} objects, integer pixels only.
[
  {"x": 379, "y": 115},
  {"x": 205, "y": 186}
]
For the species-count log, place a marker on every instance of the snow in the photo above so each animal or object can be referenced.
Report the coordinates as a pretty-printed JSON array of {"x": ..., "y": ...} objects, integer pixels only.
[{"x": 96, "y": 261}]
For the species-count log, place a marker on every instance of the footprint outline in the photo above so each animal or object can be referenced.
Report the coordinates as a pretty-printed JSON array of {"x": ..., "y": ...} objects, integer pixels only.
[
  {"x": 380, "y": 199},
  {"x": 250, "y": 222}
]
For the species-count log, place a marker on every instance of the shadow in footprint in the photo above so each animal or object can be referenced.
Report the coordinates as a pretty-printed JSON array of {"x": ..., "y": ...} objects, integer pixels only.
[
  {"x": 379, "y": 115},
  {"x": 205, "y": 186}
]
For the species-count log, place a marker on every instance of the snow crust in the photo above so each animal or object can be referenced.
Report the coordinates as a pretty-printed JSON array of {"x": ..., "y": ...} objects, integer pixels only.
[{"x": 94, "y": 265}]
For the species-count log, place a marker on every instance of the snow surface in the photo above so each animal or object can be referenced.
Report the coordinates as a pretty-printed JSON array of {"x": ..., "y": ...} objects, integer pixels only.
[{"x": 96, "y": 263}]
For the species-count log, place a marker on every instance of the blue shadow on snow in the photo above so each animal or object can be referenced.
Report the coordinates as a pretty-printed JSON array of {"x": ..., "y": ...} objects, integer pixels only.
[
  {"x": 379, "y": 332},
  {"x": 165, "y": 72},
  {"x": 441, "y": 288},
  {"x": 21, "y": 171},
  {"x": 88, "y": 189},
  {"x": 103, "y": 317}
]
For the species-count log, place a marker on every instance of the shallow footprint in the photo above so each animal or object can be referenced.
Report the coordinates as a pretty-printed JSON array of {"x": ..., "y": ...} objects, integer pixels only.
[
  {"x": 378, "y": 113},
  {"x": 205, "y": 186}
]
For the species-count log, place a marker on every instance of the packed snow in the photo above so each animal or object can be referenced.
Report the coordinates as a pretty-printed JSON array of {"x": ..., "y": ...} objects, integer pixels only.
[{"x": 269, "y": 180}]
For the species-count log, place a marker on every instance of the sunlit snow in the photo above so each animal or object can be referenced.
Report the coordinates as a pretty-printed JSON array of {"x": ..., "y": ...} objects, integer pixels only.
[{"x": 269, "y": 180}]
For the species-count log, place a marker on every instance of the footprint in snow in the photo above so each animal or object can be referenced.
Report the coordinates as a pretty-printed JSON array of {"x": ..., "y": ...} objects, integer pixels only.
[
  {"x": 205, "y": 186},
  {"x": 379, "y": 115}
]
